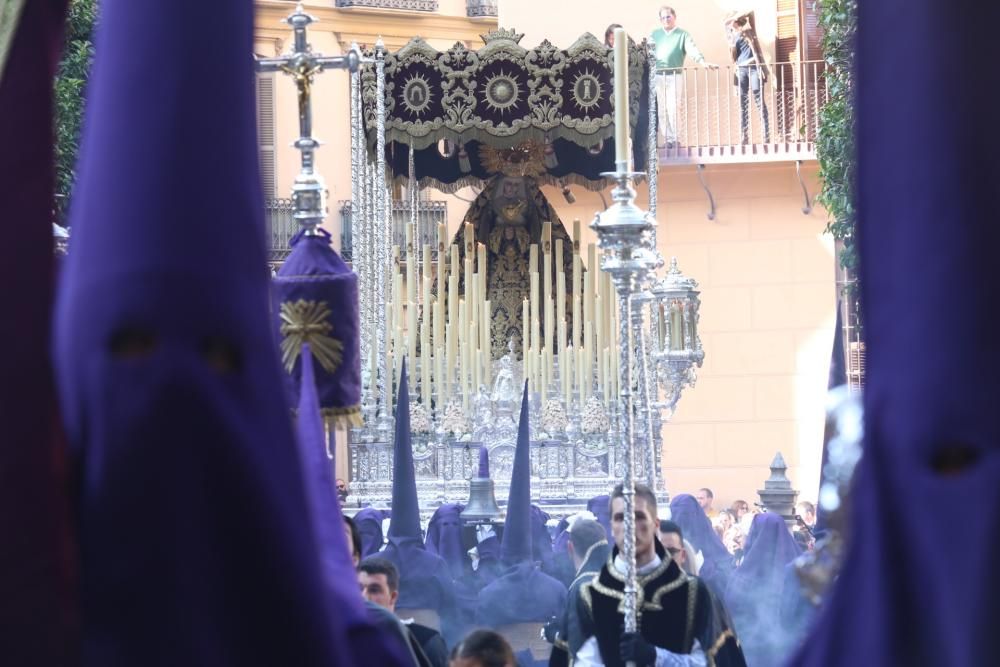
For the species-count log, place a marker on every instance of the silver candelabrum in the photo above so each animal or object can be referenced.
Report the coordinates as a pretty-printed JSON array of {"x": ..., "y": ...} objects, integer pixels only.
[{"x": 625, "y": 236}]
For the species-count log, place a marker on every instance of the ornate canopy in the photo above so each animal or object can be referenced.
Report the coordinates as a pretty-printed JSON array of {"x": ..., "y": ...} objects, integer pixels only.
[{"x": 455, "y": 108}]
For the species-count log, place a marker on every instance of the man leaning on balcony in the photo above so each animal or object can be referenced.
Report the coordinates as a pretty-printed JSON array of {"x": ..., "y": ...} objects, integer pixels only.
[{"x": 673, "y": 44}]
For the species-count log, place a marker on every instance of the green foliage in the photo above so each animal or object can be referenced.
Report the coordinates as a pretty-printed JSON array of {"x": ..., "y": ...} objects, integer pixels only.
[
  {"x": 835, "y": 143},
  {"x": 70, "y": 91}
]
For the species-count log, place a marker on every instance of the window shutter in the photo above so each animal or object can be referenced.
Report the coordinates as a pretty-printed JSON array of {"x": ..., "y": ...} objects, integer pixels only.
[
  {"x": 265, "y": 134},
  {"x": 786, "y": 44},
  {"x": 811, "y": 31}
]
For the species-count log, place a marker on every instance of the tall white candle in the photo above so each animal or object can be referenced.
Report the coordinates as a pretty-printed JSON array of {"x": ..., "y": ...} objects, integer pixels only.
[
  {"x": 411, "y": 338},
  {"x": 468, "y": 281},
  {"x": 452, "y": 320},
  {"x": 438, "y": 333},
  {"x": 442, "y": 271},
  {"x": 411, "y": 268},
  {"x": 621, "y": 98},
  {"x": 599, "y": 339},
  {"x": 533, "y": 282},
  {"x": 462, "y": 333},
  {"x": 547, "y": 283},
  {"x": 543, "y": 390},
  {"x": 399, "y": 299},
  {"x": 473, "y": 311},
  {"x": 561, "y": 307},
  {"x": 525, "y": 331},
  {"x": 425, "y": 263},
  {"x": 463, "y": 382},
  {"x": 449, "y": 364},
  {"x": 563, "y": 363},
  {"x": 474, "y": 356},
  {"x": 425, "y": 362},
  {"x": 484, "y": 341},
  {"x": 440, "y": 375},
  {"x": 577, "y": 305}
]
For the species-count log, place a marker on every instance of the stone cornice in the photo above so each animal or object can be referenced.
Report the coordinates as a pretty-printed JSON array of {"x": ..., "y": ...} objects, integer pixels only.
[{"x": 364, "y": 25}]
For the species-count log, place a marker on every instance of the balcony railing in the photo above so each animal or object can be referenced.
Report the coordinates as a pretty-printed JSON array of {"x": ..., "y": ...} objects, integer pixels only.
[
  {"x": 478, "y": 9},
  {"x": 402, "y": 5},
  {"x": 707, "y": 107},
  {"x": 428, "y": 215},
  {"x": 279, "y": 227}
]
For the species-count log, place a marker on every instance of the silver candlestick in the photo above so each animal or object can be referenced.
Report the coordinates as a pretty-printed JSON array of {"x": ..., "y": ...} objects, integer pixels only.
[{"x": 624, "y": 234}]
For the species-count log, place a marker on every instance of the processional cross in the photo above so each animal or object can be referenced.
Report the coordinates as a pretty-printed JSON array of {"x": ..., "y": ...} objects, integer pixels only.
[{"x": 308, "y": 191}]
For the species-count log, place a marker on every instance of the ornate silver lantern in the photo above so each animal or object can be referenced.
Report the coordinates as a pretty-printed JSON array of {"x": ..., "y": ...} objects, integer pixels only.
[{"x": 677, "y": 347}]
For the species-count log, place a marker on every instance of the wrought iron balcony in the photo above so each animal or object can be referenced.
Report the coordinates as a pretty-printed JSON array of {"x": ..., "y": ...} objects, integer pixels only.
[
  {"x": 708, "y": 109},
  {"x": 401, "y": 5},
  {"x": 281, "y": 226},
  {"x": 477, "y": 9},
  {"x": 428, "y": 215}
]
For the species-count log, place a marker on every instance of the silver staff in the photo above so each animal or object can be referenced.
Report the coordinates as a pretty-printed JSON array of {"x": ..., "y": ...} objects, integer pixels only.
[
  {"x": 308, "y": 191},
  {"x": 625, "y": 236}
]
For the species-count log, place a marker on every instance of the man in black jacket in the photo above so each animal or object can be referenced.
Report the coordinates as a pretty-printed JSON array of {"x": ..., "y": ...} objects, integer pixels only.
[
  {"x": 379, "y": 581},
  {"x": 677, "y": 622},
  {"x": 589, "y": 549}
]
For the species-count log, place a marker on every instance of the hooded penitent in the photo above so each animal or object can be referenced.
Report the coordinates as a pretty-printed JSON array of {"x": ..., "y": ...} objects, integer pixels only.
[
  {"x": 444, "y": 537},
  {"x": 367, "y": 644},
  {"x": 599, "y": 506},
  {"x": 926, "y": 230},
  {"x": 697, "y": 528},
  {"x": 369, "y": 522},
  {"x": 523, "y": 594},
  {"x": 38, "y": 614},
  {"x": 753, "y": 597},
  {"x": 425, "y": 582},
  {"x": 316, "y": 302},
  {"x": 196, "y": 542}
]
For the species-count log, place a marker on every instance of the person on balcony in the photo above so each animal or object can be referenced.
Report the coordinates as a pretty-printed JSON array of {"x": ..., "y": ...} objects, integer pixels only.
[
  {"x": 609, "y": 35},
  {"x": 751, "y": 71},
  {"x": 673, "y": 45}
]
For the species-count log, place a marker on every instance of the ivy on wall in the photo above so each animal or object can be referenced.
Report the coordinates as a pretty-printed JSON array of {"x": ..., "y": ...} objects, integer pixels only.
[
  {"x": 835, "y": 144},
  {"x": 70, "y": 91}
]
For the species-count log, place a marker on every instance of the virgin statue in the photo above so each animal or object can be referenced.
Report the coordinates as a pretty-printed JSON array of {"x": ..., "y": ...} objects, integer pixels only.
[{"x": 507, "y": 217}]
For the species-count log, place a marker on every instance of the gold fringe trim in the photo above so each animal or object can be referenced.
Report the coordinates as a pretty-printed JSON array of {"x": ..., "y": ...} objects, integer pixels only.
[{"x": 346, "y": 417}]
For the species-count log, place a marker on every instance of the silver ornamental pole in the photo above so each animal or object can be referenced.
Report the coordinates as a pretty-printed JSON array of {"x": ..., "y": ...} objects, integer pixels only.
[
  {"x": 652, "y": 157},
  {"x": 644, "y": 412},
  {"x": 382, "y": 226},
  {"x": 624, "y": 234},
  {"x": 647, "y": 379},
  {"x": 357, "y": 146}
]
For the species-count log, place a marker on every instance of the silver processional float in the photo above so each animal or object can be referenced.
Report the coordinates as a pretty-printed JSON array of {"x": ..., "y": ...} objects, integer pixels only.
[{"x": 657, "y": 342}]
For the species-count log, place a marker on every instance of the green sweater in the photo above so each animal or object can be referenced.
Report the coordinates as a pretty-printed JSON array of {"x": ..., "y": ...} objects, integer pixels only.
[{"x": 673, "y": 46}]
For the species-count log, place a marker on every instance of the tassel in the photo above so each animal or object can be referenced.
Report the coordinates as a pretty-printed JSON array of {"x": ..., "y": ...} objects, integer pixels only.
[
  {"x": 463, "y": 160},
  {"x": 550, "y": 159},
  {"x": 567, "y": 193}
]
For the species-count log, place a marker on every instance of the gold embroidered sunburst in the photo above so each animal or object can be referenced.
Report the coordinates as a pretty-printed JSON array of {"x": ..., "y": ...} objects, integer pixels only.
[
  {"x": 306, "y": 322},
  {"x": 525, "y": 159}
]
